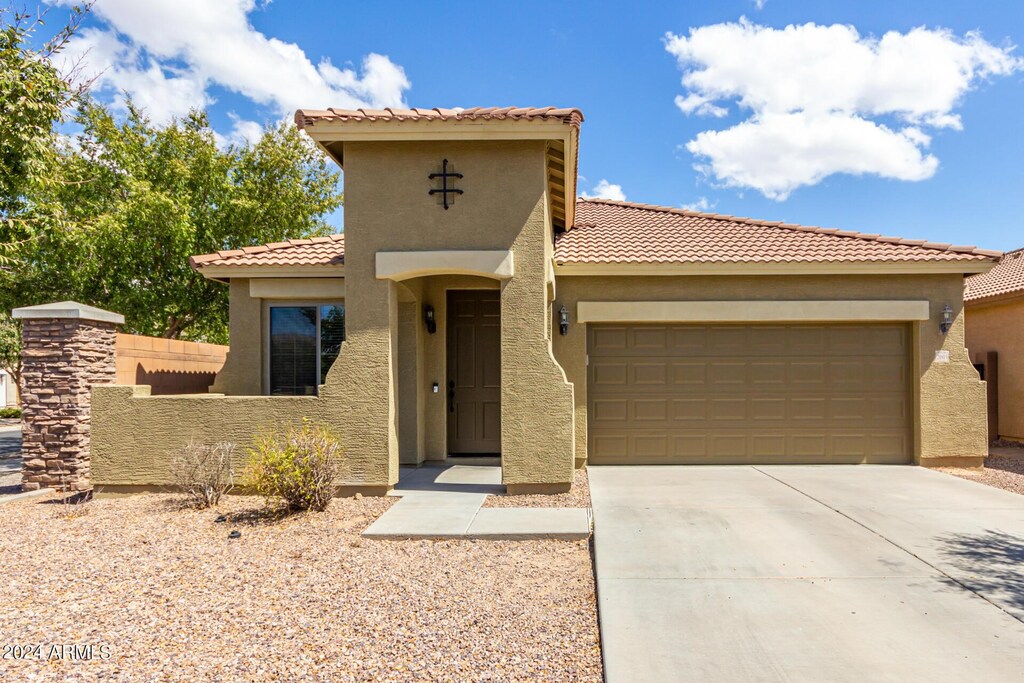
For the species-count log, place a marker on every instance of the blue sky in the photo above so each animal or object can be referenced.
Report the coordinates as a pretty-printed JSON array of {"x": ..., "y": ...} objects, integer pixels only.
[{"x": 778, "y": 126}]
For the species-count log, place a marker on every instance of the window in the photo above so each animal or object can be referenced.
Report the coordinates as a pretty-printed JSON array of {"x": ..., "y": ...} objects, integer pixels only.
[{"x": 304, "y": 342}]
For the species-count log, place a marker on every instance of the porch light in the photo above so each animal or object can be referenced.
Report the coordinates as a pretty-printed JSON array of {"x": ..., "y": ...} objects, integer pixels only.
[
  {"x": 428, "y": 318},
  {"x": 563, "y": 321},
  {"x": 947, "y": 319}
]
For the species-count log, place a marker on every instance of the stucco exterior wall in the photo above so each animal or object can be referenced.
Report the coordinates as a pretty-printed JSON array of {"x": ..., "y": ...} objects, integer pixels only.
[
  {"x": 389, "y": 209},
  {"x": 950, "y": 422},
  {"x": 242, "y": 374},
  {"x": 999, "y": 327}
]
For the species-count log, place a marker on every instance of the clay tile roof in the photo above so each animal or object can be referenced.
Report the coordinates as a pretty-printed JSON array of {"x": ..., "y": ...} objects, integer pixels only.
[
  {"x": 569, "y": 116},
  {"x": 315, "y": 251},
  {"x": 608, "y": 231},
  {"x": 1006, "y": 278}
]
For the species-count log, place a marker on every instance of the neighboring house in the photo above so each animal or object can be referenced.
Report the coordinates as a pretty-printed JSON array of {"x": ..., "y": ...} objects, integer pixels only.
[
  {"x": 994, "y": 302},
  {"x": 484, "y": 310},
  {"x": 8, "y": 390}
]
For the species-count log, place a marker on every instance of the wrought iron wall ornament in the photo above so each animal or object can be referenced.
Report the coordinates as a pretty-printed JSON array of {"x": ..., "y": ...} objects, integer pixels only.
[{"x": 447, "y": 184}]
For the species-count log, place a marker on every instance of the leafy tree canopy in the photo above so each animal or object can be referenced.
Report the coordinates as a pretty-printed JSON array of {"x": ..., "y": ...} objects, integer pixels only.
[
  {"x": 34, "y": 97},
  {"x": 140, "y": 199}
]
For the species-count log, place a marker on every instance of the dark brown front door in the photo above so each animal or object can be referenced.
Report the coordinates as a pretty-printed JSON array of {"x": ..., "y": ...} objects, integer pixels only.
[{"x": 474, "y": 372}]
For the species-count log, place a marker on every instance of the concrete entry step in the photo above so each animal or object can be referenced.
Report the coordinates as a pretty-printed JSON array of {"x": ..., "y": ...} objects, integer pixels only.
[{"x": 447, "y": 502}]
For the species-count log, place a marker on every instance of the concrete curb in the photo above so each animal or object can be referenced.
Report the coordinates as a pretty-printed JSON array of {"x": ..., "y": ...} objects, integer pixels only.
[{"x": 27, "y": 495}]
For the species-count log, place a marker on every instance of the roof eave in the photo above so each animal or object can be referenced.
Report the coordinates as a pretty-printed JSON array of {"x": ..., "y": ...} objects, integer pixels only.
[
  {"x": 963, "y": 267},
  {"x": 225, "y": 273}
]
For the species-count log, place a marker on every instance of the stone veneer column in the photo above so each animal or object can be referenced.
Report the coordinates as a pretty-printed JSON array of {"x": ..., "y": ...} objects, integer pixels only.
[{"x": 66, "y": 348}]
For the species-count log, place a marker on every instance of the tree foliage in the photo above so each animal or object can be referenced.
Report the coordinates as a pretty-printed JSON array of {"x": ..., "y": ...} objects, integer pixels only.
[
  {"x": 142, "y": 199},
  {"x": 111, "y": 215},
  {"x": 34, "y": 97}
]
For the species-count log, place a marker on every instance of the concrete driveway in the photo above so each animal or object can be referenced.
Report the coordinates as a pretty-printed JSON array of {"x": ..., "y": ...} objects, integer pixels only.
[{"x": 792, "y": 573}]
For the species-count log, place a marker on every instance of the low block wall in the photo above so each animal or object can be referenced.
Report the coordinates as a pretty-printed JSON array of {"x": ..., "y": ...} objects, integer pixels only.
[
  {"x": 168, "y": 366},
  {"x": 136, "y": 434}
]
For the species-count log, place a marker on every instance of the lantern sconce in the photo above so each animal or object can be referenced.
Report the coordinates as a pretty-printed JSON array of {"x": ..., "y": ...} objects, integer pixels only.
[
  {"x": 428, "y": 318},
  {"x": 563, "y": 321},
  {"x": 947, "y": 319}
]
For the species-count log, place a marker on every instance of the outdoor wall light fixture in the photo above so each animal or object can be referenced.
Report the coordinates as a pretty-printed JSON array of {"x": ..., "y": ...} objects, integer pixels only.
[
  {"x": 563, "y": 321},
  {"x": 947, "y": 319},
  {"x": 428, "y": 318}
]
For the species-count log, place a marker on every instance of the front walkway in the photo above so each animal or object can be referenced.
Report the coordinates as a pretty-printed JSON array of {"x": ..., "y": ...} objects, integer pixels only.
[
  {"x": 789, "y": 573},
  {"x": 446, "y": 501}
]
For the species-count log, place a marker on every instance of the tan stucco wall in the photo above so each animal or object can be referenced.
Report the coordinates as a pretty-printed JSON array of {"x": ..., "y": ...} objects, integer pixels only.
[
  {"x": 950, "y": 420},
  {"x": 999, "y": 327},
  {"x": 389, "y": 209},
  {"x": 242, "y": 374}
]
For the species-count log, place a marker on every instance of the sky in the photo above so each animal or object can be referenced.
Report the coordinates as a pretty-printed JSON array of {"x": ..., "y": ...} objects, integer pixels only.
[{"x": 900, "y": 118}]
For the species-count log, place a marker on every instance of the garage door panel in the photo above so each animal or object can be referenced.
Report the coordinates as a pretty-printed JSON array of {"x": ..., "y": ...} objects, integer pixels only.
[{"x": 747, "y": 393}]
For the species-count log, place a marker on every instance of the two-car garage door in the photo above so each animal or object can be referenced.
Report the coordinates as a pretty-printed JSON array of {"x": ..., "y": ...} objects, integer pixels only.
[{"x": 677, "y": 394}]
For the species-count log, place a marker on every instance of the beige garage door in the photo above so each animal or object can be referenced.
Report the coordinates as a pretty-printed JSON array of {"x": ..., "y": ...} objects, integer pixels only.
[{"x": 661, "y": 394}]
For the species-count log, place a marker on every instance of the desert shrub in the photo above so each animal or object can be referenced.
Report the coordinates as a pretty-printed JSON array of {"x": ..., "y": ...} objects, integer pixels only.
[
  {"x": 203, "y": 473},
  {"x": 10, "y": 412},
  {"x": 298, "y": 465}
]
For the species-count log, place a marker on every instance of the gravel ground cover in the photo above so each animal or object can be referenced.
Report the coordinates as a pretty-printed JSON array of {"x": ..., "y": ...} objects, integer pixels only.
[
  {"x": 298, "y": 599},
  {"x": 577, "y": 497},
  {"x": 1001, "y": 472}
]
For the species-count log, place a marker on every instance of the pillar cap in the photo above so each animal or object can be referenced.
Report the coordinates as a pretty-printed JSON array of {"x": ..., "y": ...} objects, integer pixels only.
[{"x": 68, "y": 310}]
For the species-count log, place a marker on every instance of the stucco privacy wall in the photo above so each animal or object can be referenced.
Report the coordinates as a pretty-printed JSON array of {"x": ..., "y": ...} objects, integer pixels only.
[
  {"x": 999, "y": 327},
  {"x": 135, "y": 435},
  {"x": 950, "y": 398},
  {"x": 389, "y": 209}
]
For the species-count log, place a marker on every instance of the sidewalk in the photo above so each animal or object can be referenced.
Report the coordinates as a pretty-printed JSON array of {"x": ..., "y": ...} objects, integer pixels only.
[{"x": 447, "y": 502}]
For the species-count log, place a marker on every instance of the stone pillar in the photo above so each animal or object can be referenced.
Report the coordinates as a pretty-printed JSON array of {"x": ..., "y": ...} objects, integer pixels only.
[{"x": 66, "y": 348}]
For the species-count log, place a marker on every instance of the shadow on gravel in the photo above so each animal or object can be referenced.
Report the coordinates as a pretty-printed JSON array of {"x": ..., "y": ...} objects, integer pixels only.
[{"x": 991, "y": 563}]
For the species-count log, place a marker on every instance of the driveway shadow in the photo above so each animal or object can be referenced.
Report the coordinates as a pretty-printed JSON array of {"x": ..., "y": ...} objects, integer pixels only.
[{"x": 990, "y": 562}]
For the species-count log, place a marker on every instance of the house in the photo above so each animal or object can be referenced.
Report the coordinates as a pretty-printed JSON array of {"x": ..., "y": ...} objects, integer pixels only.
[
  {"x": 473, "y": 306},
  {"x": 8, "y": 390},
  {"x": 994, "y": 307}
]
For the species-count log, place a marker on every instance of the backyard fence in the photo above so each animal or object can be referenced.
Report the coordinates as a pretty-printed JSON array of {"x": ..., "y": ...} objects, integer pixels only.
[{"x": 169, "y": 366}]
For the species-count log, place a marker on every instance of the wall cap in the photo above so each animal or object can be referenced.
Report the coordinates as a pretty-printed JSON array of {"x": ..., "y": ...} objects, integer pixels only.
[{"x": 67, "y": 310}]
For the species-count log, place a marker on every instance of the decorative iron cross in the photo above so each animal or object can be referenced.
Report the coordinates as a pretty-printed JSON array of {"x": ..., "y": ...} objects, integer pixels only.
[{"x": 444, "y": 190}]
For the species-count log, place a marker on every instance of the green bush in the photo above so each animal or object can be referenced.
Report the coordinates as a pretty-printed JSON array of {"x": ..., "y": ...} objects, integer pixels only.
[
  {"x": 298, "y": 465},
  {"x": 10, "y": 412}
]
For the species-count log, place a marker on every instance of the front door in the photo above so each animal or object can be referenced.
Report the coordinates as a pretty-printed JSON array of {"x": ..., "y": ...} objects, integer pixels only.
[{"x": 474, "y": 372}]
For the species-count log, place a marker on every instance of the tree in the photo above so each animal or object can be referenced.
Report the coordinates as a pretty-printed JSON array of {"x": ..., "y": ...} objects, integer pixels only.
[
  {"x": 34, "y": 97},
  {"x": 141, "y": 199}
]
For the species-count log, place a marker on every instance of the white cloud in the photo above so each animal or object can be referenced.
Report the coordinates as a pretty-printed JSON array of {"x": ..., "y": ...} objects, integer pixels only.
[
  {"x": 702, "y": 204},
  {"x": 694, "y": 103},
  {"x": 605, "y": 190},
  {"x": 242, "y": 132},
  {"x": 822, "y": 99},
  {"x": 166, "y": 54},
  {"x": 759, "y": 4}
]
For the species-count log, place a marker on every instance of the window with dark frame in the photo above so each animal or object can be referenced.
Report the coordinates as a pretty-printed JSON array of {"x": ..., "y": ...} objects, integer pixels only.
[{"x": 304, "y": 342}]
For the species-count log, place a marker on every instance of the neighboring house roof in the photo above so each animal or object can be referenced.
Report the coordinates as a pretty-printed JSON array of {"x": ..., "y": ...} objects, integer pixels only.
[
  {"x": 1007, "y": 278},
  {"x": 613, "y": 232},
  {"x": 573, "y": 117},
  {"x": 314, "y": 251}
]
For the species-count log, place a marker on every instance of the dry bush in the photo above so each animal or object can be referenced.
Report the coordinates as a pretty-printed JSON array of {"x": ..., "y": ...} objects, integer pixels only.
[
  {"x": 298, "y": 465},
  {"x": 203, "y": 473}
]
